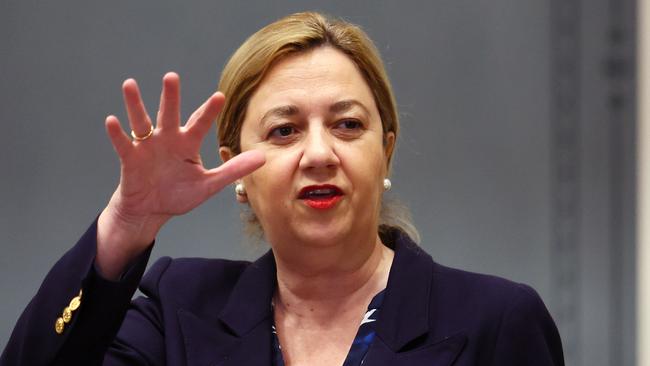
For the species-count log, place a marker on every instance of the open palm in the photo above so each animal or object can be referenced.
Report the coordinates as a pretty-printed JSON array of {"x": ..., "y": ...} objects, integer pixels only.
[{"x": 163, "y": 175}]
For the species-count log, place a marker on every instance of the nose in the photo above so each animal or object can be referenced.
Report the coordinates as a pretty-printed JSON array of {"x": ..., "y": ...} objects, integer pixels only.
[{"x": 318, "y": 150}]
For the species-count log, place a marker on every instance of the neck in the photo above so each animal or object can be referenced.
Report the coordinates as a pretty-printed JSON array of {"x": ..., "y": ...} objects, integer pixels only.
[{"x": 320, "y": 281}]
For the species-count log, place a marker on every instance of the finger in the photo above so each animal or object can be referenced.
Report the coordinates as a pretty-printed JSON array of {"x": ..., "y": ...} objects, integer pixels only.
[
  {"x": 195, "y": 115},
  {"x": 169, "y": 113},
  {"x": 121, "y": 142},
  {"x": 200, "y": 126},
  {"x": 235, "y": 168},
  {"x": 138, "y": 117}
]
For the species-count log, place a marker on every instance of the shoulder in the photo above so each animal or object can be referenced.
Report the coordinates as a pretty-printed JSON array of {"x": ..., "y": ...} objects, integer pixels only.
[
  {"x": 481, "y": 295},
  {"x": 454, "y": 291},
  {"x": 499, "y": 316},
  {"x": 192, "y": 283},
  {"x": 194, "y": 271},
  {"x": 482, "y": 289}
]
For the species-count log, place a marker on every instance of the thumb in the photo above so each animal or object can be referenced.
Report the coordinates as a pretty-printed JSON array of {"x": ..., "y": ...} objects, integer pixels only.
[{"x": 235, "y": 168}]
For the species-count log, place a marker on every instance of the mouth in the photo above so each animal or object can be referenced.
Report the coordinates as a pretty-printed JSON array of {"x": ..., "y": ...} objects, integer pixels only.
[{"x": 321, "y": 197}]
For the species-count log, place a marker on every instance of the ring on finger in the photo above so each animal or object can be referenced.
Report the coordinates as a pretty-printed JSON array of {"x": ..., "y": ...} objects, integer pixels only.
[{"x": 143, "y": 137}]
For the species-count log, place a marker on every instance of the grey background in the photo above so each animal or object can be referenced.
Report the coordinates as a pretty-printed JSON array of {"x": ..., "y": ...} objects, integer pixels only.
[{"x": 516, "y": 156}]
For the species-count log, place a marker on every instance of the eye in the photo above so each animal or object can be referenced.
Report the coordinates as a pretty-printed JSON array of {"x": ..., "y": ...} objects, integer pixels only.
[
  {"x": 349, "y": 128},
  {"x": 350, "y": 124},
  {"x": 282, "y": 132}
]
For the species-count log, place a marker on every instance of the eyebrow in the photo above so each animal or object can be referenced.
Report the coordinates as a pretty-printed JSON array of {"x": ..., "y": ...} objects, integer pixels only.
[
  {"x": 346, "y": 105},
  {"x": 280, "y": 112},
  {"x": 291, "y": 110}
]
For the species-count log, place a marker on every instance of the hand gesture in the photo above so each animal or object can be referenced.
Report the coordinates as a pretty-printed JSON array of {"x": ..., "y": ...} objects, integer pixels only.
[{"x": 162, "y": 174}]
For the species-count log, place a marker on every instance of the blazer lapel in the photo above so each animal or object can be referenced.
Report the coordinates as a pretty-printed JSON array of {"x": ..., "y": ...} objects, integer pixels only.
[
  {"x": 441, "y": 353},
  {"x": 242, "y": 335},
  {"x": 404, "y": 326},
  {"x": 405, "y": 311}
]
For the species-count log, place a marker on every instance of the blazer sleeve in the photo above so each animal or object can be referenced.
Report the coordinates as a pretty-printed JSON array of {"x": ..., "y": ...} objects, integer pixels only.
[
  {"x": 140, "y": 339},
  {"x": 76, "y": 313},
  {"x": 527, "y": 333}
]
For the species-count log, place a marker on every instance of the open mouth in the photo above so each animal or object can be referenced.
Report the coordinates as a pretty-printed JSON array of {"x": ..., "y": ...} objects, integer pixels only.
[{"x": 321, "y": 196}]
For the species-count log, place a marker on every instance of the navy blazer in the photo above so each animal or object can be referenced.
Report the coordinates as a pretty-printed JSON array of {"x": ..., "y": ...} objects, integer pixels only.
[{"x": 200, "y": 312}]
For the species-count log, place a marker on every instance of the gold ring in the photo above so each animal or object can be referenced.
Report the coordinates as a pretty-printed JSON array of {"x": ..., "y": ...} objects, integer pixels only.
[{"x": 141, "y": 138}]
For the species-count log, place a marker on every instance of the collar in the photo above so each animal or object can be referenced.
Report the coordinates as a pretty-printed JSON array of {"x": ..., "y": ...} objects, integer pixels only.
[
  {"x": 244, "y": 322},
  {"x": 405, "y": 310},
  {"x": 250, "y": 300},
  {"x": 404, "y": 315}
]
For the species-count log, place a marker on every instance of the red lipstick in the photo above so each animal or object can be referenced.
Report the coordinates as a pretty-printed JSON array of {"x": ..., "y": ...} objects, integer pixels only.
[{"x": 321, "y": 197}]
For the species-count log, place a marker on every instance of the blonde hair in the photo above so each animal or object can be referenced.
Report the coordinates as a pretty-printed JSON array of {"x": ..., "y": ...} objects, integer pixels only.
[{"x": 296, "y": 33}]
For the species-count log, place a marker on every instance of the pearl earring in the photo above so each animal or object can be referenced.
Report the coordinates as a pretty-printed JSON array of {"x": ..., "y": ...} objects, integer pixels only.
[
  {"x": 387, "y": 184},
  {"x": 240, "y": 189}
]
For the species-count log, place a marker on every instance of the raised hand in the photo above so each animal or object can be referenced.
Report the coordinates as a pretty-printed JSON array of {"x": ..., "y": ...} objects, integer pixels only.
[{"x": 161, "y": 172}]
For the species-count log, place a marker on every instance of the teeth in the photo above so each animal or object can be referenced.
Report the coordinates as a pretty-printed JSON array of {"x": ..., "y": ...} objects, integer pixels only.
[{"x": 322, "y": 191}]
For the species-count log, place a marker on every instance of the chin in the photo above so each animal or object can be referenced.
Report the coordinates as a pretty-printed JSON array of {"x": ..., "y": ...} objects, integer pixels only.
[{"x": 322, "y": 234}]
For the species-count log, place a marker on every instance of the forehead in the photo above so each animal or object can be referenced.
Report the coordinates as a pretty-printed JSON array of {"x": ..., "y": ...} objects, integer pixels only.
[{"x": 319, "y": 77}]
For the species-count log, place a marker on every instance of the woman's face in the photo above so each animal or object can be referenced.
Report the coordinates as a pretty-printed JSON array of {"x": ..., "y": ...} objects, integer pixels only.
[{"x": 315, "y": 118}]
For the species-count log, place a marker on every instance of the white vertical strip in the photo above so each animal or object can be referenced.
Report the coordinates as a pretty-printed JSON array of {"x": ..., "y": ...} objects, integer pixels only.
[{"x": 643, "y": 184}]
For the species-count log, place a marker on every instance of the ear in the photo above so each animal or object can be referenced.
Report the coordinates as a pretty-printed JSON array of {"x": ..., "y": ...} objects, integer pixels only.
[
  {"x": 389, "y": 145},
  {"x": 226, "y": 154}
]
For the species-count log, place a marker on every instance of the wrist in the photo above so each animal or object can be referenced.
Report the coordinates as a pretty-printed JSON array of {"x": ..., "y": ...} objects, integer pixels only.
[
  {"x": 130, "y": 228},
  {"x": 121, "y": 238}
]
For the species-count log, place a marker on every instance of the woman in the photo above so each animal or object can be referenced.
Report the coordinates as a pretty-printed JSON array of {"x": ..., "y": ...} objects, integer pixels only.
[{"x": 307, "y": 133}]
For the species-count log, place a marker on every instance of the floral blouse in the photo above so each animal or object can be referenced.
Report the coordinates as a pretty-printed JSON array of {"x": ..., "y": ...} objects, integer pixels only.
[{"x": 360, "y": 345}]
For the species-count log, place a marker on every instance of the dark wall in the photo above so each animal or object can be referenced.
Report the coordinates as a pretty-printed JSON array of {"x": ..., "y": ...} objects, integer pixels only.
[{"x": 515, "y": 158}]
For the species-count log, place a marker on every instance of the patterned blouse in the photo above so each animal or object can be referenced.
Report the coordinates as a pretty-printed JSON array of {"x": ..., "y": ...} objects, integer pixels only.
[{"x": 361, "y": 343}]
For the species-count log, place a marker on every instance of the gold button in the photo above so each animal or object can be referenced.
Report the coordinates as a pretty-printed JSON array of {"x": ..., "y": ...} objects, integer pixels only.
[
  {"x": 74, "y": 303},
  {"x": 67, "y": 315},
  {"x": 59, "y": 325}
]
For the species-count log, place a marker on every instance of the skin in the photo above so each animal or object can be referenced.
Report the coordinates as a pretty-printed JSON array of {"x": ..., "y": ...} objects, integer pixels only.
[
  {"x": 330, "y": 263},
  {"x": 162, "y": 176}
]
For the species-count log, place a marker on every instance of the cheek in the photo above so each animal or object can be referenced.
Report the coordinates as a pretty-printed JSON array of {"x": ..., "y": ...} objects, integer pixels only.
[
  {"x": 364, "y": 164},
  {"x": 274, "y": 177}
]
